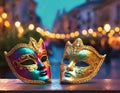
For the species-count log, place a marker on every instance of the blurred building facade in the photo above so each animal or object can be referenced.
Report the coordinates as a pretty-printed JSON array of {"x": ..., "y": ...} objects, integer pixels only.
[
  {"x": 22, "y": 10},
  {"x": 92, "y": 14},
  {"x": 19, "y": 10}
]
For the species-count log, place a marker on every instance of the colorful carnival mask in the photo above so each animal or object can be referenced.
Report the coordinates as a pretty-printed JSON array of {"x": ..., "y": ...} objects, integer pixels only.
[
  {"x": 29, "y": 62},
  {"x": 80, "y": 62}
]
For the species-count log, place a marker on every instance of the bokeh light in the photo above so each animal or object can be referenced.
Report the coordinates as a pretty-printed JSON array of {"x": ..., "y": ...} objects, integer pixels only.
[{"x": 107, "y": 27}]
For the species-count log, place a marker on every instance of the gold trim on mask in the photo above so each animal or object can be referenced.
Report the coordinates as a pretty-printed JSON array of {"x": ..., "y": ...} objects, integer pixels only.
[
  {"x": 34, "y": 45},
  {"x": 30, "y": 67},
  {"x": 92, "y": 58},
  {"x": 46, "y": 63},
  {"x": 20, "y": 77}
]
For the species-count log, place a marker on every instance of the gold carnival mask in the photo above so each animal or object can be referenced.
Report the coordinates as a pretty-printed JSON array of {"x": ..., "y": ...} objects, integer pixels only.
[
  {"x": 80, "y": 63},
  {"x": 29, "y": 62}
]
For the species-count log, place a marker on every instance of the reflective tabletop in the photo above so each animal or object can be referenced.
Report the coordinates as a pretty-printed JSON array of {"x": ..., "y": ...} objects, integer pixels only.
[{"x": 95, "y": 85}]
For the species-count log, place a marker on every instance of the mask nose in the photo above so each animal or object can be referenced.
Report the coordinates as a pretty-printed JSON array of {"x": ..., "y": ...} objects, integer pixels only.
[
  {"x": 41, "y": 66},
  {"x": 71, "y": 66}
]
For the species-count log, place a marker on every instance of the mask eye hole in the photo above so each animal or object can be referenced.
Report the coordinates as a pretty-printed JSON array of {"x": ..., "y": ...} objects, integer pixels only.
[
  {"x": 44, "y": 58},
  {"x": 66, "y": 61},
  {"x": 28, "y": 62},
  {"x": 82, "y": 64}
]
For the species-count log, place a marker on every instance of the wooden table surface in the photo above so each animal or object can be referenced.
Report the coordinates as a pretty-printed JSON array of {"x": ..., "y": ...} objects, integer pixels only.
[{"x": 93, "y": 86}]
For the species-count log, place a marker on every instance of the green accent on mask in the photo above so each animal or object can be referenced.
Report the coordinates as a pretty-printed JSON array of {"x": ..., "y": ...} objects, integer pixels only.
[
  {"x": 70, "y": 52},
  {"x": 36, "y": 76},
  {"x": 82, "y": 54}
]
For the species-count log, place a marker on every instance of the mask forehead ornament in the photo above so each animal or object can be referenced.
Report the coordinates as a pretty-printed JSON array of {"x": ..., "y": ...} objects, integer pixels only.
[
  {"x": 72, "y": 71},
  {"x": 29, "y": 62}
]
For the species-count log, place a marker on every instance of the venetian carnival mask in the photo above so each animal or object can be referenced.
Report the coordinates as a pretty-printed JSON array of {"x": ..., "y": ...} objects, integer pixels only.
[
  {"x": 29, "y": 62},
  {"x": 80, "y": 62}
]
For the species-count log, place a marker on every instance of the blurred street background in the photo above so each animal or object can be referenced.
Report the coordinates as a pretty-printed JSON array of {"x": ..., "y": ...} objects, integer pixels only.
[{"x": 96, "y": 22}]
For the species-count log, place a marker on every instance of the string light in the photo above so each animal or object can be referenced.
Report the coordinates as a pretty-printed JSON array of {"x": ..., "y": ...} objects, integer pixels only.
[
  {"x": 103, "y": 32},
  {"x": 17, "y": 23},
  {"x": 90, "y": 31},
  {"x": 38, "y": 29},
  {"x": 107, "y": 27},
  {"x": 20, "y": 29},
  {"x": 112, "y": 31},
  {"x": 57, "y": 36},
  {"x": 76, "y": 33},
  {"x": 84, "y": 32},
  {"x": 72, "y": 34},
  {"x": 7, "y": 24},
  {"x": 106, "y": 30},
  {"x": 4, "y": 15},
  {"x": 52, "y": 35},
  {"x": 100, "y": 29},
  {"x": 94, "y": 34},
  {"x": 62, "y": 36},
  {"x": 67, "y": 36},
  {"x": 31, "y": 27},
  {"x": 117, "y": 29}
]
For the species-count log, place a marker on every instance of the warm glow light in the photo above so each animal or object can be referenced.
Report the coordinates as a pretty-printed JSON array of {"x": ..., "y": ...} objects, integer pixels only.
[
  {"x": 20, "y": 29},
  {"x": 76, "y": 33},
  {"x": 57, "y": 36},
  {"x": 107, "y": 27},
  {"x": 42, "y": 33},
  {"x": 100, "y": 29},
  {"x": 114, "y": 42},
  {"x": 90, "y": 31},
  {"x": 67, "y": 36},
  {"x": 4, "y": 15},
  {"x": 7, "y": 24},
  {"x": 117, "y": 29},
  {"x": 104, "y": 32},
  {"x": 110, "y": 35},
  {"x": 17, "y": 23},
  {"x": 94, "y": 34},
  {"x": 47, "y": 33},
  {"x": 1, "y": 20},
  {"x": 62, "y": 36},
  {"x": 52, "y": 35},
  {"x": 31, "y": 27},
  {"x": 84, "y": 32},
  {"x": 39, "y": 30},
  {"x": 72, "y": 34},
  {"x": 112, "y": 31}
]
